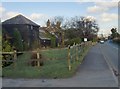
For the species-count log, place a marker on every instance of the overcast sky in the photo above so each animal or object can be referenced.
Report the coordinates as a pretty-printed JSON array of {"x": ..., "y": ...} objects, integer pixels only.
[{"x": 106, "y": 13}]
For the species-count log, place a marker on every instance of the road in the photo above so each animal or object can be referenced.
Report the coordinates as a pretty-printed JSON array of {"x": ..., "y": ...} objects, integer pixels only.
[
  {"x": 95, "y": 71},
  {"x": 111, "y": 52}
]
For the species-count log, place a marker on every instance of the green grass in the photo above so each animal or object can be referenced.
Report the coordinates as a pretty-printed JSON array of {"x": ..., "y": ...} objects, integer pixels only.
[
  {"x": 55, "y": 53},
  {"x": 52, "y": 68}
]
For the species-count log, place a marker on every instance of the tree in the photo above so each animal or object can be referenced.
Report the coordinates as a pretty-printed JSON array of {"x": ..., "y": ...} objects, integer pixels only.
[
  {"x": 114, "y": 33},
  {"x": 113, "y": 30},
  {"x": 6, "y": 47},
  {"x": 48, "y": 23},
  {"x": 57, "y": 21},
  {"x": 84, "y": 26},
  {"x": 17, "y": 40}
]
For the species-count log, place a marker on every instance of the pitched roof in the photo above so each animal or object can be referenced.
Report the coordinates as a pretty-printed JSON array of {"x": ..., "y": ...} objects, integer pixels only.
[
  {"x": 43, "y": 34},
  {"x": 20, "y": 19}
]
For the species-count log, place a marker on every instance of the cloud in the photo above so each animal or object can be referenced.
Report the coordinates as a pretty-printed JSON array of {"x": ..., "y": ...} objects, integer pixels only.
[
  {"x": 102, "y": 6},
  {"x": 96, "y": 9},
  {"x": 96, "y": 0},
  {"x": 37, "y": 16},
  {"x": 12, "y": 14},
  {"x": 56, "y": 0},
  {"x": 90, "y": 18},
  {"x": 2, "y": 9},
  {"x": 111, "y": 4},
  {"x": 108, "y": 17},
  {"x": 7, "y": 15}
]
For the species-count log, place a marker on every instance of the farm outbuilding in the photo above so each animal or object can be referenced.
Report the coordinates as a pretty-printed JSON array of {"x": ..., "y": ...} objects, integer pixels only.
[
  {"x": 28, "y": 29},
  {"x": 45, "y": 41}
]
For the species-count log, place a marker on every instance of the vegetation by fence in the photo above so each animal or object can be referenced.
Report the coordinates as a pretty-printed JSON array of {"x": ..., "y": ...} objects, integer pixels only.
[
  {"x": 74, "y": 53},
  {"x": 57, "y": 62},
  {"x": 14, "y": 57}
]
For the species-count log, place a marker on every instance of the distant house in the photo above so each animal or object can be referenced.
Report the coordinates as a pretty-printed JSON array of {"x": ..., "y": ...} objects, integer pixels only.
[
  {"x": 27, "y": 28},
  {"x": 45, "y": 40},
  {"x": 50, "y": 33}
]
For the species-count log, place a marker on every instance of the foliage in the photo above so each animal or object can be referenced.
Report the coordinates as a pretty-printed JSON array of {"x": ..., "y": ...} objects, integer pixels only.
[
  {"x": 95, "y": 39},
  {"x": 83, "y": 27},
  {"x": 57, "y": 21},
  {"x": 6, "y": 47},
  {"x": 17, "y": 40},
  {"x": 114, "y": 33},
  {"x": 117, "y": 40},
  {"x": 25, "y": 46},
  {"x": 70, "y": 34},
  {"x": 53, "y": 41},
  {"x": 72, "y": 41},
  {"x": 113, "y": 30},
  {"x": 35, "y": 44},
  {"x": 51, "y": 69},
  {"x": 55, "y": 53},
  {"x": 48, "y": 23}
]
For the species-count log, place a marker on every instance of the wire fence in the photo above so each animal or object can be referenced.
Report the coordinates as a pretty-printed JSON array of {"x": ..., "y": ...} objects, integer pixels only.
[
  {"x": 70, "y": 54},
  {"x": 75, "y": 52}
]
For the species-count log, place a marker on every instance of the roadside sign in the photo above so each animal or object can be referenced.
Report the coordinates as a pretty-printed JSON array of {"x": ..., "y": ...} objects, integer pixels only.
[{"x": 85, "y": 39}]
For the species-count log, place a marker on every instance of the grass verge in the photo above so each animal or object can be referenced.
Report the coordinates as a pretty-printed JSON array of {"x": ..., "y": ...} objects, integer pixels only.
[{"x": 56, "y": 68}]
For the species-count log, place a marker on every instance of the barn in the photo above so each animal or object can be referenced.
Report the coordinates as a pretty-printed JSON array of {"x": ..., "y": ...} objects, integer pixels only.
[
  {"x": 45, "y": 40},
  {"x": 28, "y": 29}
]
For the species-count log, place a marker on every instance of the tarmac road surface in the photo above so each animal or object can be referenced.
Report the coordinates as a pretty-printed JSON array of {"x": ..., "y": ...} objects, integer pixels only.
[{"x": 93, "y": 72}]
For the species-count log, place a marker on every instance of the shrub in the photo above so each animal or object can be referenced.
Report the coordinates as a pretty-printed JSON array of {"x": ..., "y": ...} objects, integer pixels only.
[
  {"x": 6, "y": 47},
  {"x": 72, "y": 41},
  {"x": 17, "y": 40},
  {"x": 53, "y": 41},
  {"x": 25, "y": 46}
]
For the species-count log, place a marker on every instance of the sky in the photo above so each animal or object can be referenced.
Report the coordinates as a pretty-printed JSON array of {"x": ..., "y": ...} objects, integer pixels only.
[{"x": 105, "y": 13}]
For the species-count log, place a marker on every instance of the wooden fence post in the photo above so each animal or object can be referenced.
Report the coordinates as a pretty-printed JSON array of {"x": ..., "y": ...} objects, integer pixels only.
[
  {"x": 79, "y": 50},
  {"x": 69, "y": 64},
  {"x": 38, "y": 57},
  {"x": 14, "y": 58},
  {"x": 62, "y": 39},
  {"x": 76, "y": 52},
  {"x": 82, "y": 47}
]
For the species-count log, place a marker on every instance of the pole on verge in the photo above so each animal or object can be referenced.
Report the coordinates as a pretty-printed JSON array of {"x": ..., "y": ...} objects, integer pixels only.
[
  {"x": 69, "y": 64},
  {"x": 14, "y": 58},
  {"x": 76, "y": 52},
  {"x": 38, "y": 57}
]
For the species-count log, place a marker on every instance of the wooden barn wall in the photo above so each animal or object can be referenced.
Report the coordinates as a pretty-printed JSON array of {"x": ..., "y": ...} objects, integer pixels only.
[{"x": 29, "y": 36}]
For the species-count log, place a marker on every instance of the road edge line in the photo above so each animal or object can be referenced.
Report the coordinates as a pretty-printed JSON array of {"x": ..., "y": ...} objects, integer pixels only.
[{"x": 109, "y": 65}]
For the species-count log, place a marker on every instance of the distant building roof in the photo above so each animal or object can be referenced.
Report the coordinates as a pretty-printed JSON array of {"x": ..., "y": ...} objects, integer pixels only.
[
  {"x": 43, "y": 34},
  {"x": 20, "y": 19}
]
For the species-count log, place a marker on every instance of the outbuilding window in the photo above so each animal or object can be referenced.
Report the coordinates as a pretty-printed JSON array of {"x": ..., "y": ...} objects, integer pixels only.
[{"x": 31, "y": 27}]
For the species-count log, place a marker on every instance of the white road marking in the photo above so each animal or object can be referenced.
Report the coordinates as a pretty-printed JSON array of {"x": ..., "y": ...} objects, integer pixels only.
[
  {"x": 109, "y": 65},
  {"x": 113, "y": 46}
]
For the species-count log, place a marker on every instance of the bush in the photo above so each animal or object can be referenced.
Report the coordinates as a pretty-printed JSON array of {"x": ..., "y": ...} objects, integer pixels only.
[
  {"x": 72, "y": 41},
  {"x": 95, "y": 40},
  {"x": 53, "y": 41},
  {"x": 17, "y": 40},
  {"x": 25, "y": 46},
  {"x": 117, "y": 41},
  {"x": 6, "y": 47}
]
